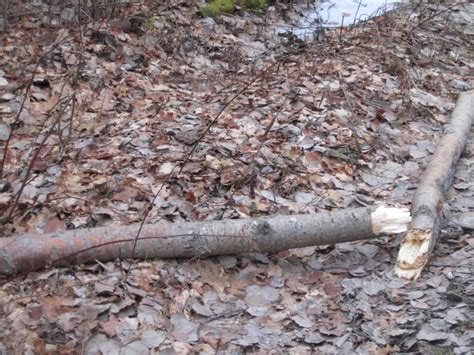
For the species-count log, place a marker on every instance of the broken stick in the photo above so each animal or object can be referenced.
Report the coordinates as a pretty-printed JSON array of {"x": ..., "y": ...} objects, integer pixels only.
[
  {"x": 198, "y": 239},
  {"x": 427, "y": 207}
]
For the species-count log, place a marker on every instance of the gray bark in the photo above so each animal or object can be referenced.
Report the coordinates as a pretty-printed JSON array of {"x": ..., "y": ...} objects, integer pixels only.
[{"x": 194, "y": 239}]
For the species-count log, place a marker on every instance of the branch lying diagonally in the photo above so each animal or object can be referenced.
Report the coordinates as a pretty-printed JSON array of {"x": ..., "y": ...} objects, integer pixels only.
[{"x": 427, "y": 207}]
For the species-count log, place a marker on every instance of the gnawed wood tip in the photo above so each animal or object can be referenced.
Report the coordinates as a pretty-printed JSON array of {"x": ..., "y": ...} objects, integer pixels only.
[
  {"x": 414, "y": 254},
  {"x": 390, "y": 220}
]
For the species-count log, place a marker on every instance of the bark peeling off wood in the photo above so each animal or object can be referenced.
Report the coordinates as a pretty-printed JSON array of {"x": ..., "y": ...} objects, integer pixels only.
[{"x": 420, "y": 240}]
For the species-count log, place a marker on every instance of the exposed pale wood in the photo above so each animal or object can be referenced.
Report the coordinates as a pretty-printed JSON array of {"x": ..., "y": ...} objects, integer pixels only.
[
  {"x": 427, "y": 207},
  {"x": 198, "y": 239}
]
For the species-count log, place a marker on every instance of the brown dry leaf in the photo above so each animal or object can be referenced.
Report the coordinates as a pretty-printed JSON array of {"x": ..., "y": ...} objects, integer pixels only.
[
  {"x": 110, "y": 326},
  {"x": 125, "y": 195},
  {"x": 312, "y": 161},
  {"x": 54, "y": 224}
]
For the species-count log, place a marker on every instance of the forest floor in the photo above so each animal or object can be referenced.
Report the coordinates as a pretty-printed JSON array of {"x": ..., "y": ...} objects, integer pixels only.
[{"x": 115, "y": 108}]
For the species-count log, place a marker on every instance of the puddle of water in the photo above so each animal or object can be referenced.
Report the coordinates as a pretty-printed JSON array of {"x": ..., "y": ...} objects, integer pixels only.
[{"x": 335, "y": 13}]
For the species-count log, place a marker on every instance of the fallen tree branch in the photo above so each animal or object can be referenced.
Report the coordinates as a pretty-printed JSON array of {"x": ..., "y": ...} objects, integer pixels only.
[
  {"x": 427, "y": 207},
  {"x": 198, "y": 239}
]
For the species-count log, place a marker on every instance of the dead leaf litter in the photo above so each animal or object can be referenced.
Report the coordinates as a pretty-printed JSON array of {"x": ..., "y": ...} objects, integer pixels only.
[{"x": 111, "y": 115}]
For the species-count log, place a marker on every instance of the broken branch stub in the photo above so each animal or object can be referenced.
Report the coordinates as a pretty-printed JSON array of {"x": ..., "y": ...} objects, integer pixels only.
[
  {"x": 198, "y": 239},
  {"x": 427, "y": 207}
]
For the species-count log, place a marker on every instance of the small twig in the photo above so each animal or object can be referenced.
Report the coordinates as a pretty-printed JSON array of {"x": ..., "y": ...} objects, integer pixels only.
[
  {"x": 341, "y": 28},
  {"x": 349, "y": 124},
  {"x": 75, "y": 84},
  {"x": 359, "y": 4}
]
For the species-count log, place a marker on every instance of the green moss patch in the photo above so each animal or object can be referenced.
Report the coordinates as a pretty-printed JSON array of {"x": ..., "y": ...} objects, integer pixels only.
[{"x": 218, "y": 7}]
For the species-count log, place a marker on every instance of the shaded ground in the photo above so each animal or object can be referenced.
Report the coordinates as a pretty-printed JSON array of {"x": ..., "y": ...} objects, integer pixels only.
[{"x": 357, "y": 117}]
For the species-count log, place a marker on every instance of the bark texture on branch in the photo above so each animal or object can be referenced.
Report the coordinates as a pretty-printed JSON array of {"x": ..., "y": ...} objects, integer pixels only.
[
  {"x": 427, "y": 207},
  {"x": 198, "y": 239}
]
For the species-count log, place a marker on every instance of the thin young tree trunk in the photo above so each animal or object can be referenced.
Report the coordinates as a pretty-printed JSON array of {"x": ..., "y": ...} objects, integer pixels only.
[
  {"x": 427, "y": 207},
  {"x": 198, "y": 239}
]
